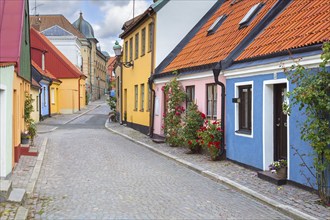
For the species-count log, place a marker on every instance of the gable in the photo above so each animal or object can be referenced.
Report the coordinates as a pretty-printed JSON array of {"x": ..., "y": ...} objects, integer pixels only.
[{"x": 56, "y": 31}]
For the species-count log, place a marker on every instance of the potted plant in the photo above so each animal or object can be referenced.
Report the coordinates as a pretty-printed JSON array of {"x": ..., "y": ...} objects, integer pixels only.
[
  {"x": 210, "y": 136},
  {"x": 279, "y": 168},
  {"x": 25, "y": 138},
  {"x": 193, "y": 120}
]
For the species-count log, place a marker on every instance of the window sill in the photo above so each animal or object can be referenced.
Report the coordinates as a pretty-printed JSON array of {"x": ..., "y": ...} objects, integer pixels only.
[
  {"x": 141, "y": 110},
  {"x": 244, "y": 133},
  {"x": 135, "y": 110}
]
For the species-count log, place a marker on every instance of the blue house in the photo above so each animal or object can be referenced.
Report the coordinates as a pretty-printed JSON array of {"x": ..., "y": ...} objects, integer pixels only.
[
  {"x": 45, "y": 83},
  {"x": 258, "y": 132}
]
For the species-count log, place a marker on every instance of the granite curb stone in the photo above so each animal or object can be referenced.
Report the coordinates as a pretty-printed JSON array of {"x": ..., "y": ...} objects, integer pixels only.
[{"x": 285, "y": 209}]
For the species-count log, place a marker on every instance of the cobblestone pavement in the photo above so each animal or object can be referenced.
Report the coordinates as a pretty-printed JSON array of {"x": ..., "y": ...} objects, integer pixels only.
[
  {"x": 291, "y": 195},
  {"x": 91, "y": 173}
]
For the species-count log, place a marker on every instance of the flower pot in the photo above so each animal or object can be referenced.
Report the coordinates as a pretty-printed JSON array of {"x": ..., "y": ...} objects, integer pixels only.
[
  {"x": 282, "y": 173},
  {"x": 25, "y": 141}
]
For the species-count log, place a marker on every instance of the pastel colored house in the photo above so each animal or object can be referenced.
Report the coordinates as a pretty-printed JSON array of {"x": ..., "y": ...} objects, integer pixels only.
[
  {"x": 211, "y": 45},
  {"x": 15, "y": 79},
  {"x": 71, "y": 92},
  {"x": 47, "y": 97},
  {"x": 78, "y": 43},
  {"x": 256, "y": 77},
  {"x": 148, "y": 38},
  {"x": 35, "y": 94}
]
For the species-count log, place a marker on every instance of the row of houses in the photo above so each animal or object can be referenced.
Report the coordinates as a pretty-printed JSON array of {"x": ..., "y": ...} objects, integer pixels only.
[
  {"x": 47, "y": 66},
  {"x": 229, "y": 56}
]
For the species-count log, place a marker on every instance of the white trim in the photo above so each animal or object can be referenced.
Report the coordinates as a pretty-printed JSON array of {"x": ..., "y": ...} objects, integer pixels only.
[
  {"x": 3, "y": 129},
  {"x": 308, "y": 62},
  {"x": 268, "y": 123},
  {"x": 200, "y": 75},
  {"x": 236, "y": 109}
]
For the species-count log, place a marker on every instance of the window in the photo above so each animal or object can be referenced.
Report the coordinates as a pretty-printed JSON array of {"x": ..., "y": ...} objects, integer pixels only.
[
  {"x": 212, "y": 101},
  {"x": 136, "y": 97},
  {"x": 131, "y": 49},
  {"x": 136, "y": 45},
  {"x": 126, "y": 51},
  {"x": 217, "y": 23},
  {"x": 190, "y": 90},
  {"x": 53, "y": 95},
  {"x": 142, "y": 98},
  {"x": 151, "y": 36},
  {"x": 45, "y": 97},
  {"x": 244, "y": 109},
  {"x": 250, "y": 15},
  {"x": 143, "y": 41}
]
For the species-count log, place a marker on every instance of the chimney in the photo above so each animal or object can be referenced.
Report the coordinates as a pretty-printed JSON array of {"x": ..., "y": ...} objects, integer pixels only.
[{"x": 36, "y": 24}]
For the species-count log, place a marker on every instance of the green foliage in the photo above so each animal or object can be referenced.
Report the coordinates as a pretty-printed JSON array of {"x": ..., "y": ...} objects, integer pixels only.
[
  {"x": 112, "y": 102},
  {"x": 312, "y": 96},
  {"x": 210, "y": 136},
  {"x": 193, "y": 121},
  {"x": 28, "y": 109},
  {"x": 172, "y": 118}
]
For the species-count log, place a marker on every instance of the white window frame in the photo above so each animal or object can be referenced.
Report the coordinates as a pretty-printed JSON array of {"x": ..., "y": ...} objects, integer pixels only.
[
  {"x": 237, "y": 85},
  {"x": 52, "y": 92}
]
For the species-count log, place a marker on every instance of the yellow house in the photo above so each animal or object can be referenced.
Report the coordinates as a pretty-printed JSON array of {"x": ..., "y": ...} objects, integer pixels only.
[
  {"x": 138, "y": 37},
  {"x": 70, "y": 95}
]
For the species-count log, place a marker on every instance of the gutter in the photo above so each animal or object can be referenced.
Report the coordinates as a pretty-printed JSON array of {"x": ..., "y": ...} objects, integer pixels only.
[{"x": 49, "y": 101}]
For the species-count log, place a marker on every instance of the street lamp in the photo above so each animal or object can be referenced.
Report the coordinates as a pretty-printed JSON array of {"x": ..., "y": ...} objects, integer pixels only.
[{"x": 118, "y": 52}]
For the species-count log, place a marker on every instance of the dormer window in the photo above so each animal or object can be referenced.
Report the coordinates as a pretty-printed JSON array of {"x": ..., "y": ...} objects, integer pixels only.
[
  {"x": 216, "y": 24},
  {"x": 250, "y": 15}
]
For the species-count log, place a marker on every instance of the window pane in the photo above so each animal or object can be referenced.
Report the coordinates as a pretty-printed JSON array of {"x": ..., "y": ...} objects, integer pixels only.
[
  {"x": 245, "y": 107},
  {"x": 136, "y": 45}
]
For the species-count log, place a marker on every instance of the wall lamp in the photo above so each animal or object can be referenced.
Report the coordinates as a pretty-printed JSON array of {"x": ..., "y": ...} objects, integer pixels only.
[{"x": 118, "y": 52}]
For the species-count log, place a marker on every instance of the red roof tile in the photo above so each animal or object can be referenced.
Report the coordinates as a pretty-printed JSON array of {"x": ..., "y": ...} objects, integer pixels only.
[
  {"x": 47, "y": 21},
  {"x": 43, "y": 72},
  {"x": 302, "y": 23},
  {"x": 203, "y": 49},
  {"x": 11, "y": 22},
  {"x": 56, "y": 63}
]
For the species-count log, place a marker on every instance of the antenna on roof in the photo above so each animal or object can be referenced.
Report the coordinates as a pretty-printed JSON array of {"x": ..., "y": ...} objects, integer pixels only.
[
  {"x": 35, "y": 7},
  {"x": 133, "y": 10}
]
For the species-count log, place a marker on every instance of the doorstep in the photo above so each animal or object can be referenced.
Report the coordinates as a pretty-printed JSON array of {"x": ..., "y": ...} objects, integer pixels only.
[{"x": 271, "y": 177}]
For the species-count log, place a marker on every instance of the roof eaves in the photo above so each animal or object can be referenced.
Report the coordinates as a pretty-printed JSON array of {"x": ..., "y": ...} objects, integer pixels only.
[
  {"x": 136, "y": 23},
  {"x": 159, "y": 5},
  {"x": 172, "y": 55}
]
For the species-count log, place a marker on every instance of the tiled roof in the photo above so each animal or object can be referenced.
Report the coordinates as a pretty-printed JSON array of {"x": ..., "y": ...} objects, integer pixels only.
[
  {"x": 43, "y": 72},
  {"x": 34, "y": 83},
  {"x": 47, "y": 21},
  {"x": 303, "y": 23},
  {"x": 58, "y": 64},
  {"x": 204, "y": 50},
  {"x": 11, "y": 23}
]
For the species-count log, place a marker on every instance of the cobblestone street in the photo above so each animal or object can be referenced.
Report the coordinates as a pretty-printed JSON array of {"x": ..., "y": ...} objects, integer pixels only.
[{"x": 89, "y": 172}]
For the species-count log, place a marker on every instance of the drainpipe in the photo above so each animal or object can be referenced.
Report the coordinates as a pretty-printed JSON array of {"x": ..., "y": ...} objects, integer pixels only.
[
  {"x": 49, "y": 101},
  {"x": 216, "y": 73},
  {"x": 150, "y": 82},
  {"x": 40, "y": 90},
  {"x": 79, "y": 94}
]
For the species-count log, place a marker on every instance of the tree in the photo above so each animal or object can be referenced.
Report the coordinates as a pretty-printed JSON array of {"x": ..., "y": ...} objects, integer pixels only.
[{"x": 312, "y": 96}]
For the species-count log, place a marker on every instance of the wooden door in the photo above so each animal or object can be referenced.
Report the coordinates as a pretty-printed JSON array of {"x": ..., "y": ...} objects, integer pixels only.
[{"x": 280, "y": 123}]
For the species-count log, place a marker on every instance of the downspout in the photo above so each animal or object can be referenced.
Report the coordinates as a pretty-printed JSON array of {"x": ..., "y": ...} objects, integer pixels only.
[
  {"x": 40, "y": 90},
  {"x": 49, "y": 101},
  {"x": 79, "y": 94},
  {"x": 150, "y": 82},
  {"x": 90, "y": 72},
  {"x": 216, "y": 73}
]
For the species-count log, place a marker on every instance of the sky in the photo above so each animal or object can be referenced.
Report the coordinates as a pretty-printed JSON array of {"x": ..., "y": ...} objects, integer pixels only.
[{"x": 106, "y": 16}]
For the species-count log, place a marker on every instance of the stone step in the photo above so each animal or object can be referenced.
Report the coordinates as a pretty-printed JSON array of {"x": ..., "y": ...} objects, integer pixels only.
[
  {"x": 17, "y": 196},
  {"x": 22, "y": 213},
  {"x": 271, "y": 177},
  {"x": 33, "y": 150},
  {"x": 5, "y": 189}
]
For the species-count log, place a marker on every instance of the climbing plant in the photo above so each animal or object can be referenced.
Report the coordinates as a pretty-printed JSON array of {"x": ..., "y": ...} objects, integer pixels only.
[
  {"x": 29, "y": 122},
  {"x": 312, "y": 96},
  {"x": 175, "y": 96}
]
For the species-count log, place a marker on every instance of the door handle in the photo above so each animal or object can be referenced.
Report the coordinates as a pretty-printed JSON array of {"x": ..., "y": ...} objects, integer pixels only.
[
  {"x": 285, "y": 124},
  {"x": 278, "y": 125}
]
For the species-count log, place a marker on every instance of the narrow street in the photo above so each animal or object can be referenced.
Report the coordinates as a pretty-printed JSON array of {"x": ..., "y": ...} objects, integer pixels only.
[{"x": 89, "y": 172}]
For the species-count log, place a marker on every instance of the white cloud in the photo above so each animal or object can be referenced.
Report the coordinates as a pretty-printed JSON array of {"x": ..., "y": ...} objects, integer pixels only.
[{"x": 111, "y": 15}]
